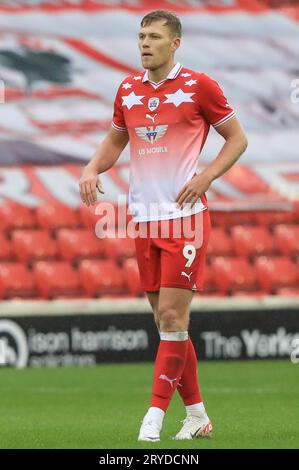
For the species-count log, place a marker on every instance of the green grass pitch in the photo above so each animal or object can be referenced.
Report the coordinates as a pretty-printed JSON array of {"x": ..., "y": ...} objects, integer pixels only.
[{"x": 252, "y": 404}]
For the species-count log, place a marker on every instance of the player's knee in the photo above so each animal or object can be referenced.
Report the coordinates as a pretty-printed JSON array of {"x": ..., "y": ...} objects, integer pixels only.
[
  {"x": 157, "y": 321},
  {"x": 169, "y": 319}
]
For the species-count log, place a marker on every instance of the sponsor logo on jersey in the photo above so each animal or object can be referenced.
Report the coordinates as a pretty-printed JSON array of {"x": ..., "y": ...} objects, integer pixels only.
[
  {"x": 151, "y": 150},
  {"x": 151, "y": 134}
]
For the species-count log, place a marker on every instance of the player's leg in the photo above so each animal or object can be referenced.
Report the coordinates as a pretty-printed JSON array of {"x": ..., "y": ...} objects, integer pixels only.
[
  {"x": 148, "y": 259},
  {"x": 177, "y": 257},
  {"x": 153, "y": 298},
  {"x": 188, "y": 386},
  {"x": 183, "y": 265},
  {"x": 150, "y": 430},
  {"x": 197, "y": 423},
  {"x": 173, "y": 314}
]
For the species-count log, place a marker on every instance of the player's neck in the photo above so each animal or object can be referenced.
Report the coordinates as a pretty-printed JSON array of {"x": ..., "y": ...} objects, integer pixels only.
[{"x": 161, "y": 73}]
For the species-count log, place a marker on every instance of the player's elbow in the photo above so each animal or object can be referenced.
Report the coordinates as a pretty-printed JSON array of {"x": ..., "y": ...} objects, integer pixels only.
[{"x": 243, "y": 142}]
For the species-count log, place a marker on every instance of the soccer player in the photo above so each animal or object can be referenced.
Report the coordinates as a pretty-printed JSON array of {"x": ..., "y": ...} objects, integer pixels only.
[{"x": 165, "y": 112}]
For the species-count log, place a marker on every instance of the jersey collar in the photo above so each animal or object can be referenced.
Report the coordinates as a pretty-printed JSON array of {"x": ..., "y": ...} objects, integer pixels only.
[{"x": 172, "y": 74}]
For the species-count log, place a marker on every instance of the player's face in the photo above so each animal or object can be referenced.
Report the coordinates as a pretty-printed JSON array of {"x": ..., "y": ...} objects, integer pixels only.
[{"x": 157, "y": 45}]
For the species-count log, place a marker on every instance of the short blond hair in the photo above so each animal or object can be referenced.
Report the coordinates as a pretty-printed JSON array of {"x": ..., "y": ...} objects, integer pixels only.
[{"x": 171, "y": 20}]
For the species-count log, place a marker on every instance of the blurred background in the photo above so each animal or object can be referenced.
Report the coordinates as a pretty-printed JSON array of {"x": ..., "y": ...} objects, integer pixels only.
[{"x": 60, "y": 65}]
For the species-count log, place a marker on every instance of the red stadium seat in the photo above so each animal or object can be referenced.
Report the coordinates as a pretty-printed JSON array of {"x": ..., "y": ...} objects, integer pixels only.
[
  {"x": 55, "y": 216},
  {"x": 209, "y": 284},
  {"x": 13, "y": 215},
  {"x": 296, "y": 212},
  {"x": 249, "y": 240},
  {"x": 226, "y": 219},
  {"x": 16, "y": 280},
  {"x": 32, "y": 245},
  {"x": 132, "y": 279},
  {"x": 219, "y": 243},
  {"x": 233, "y": 274},
  {"x": 6, "y": 252},
  {"x": 119, "y": 249},
  {"x": 270, "y": 218},
  {"x": 89, "y": 219},
  {"x": 276, "y": 272},
  {"x": 76, "y": 244},
  {"x": 100, "y": 278},
  {"x": 287, "y": 239},
  {"x": 87, "y": 216},
  {"x": 252, "y": 294},
  {"x": 57, "y": 279},
  {"x": 220, "y": 218},
  {"x": 288, "y": 292},
  {"x": 246, "y": 180}
]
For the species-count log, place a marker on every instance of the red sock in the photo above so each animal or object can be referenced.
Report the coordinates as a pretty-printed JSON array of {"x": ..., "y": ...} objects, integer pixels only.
[
  {"x": 169, "y": 365},
  {"x": 188, "y": 387}
]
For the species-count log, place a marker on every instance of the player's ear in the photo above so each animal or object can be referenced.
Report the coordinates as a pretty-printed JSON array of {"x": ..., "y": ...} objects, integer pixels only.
[{"x": 176, "y": 44}]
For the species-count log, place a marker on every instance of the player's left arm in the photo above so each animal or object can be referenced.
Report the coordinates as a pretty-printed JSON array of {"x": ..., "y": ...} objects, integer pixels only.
[{"x": 235, "y": 144}]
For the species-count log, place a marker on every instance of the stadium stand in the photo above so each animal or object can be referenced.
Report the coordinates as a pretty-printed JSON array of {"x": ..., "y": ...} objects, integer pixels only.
[
  {"x": 101, "y": 278},
  {"x": 131, "y": 276},
  {"x": 16, "y": 281},
  {"x": 57, "y": 279},
  {"x": 5, "y": 248},
  {"x": 249, "y": 241},
  {"x": 55, "y": 216},
  {"x": 232, "y": 249},
  {"x": 13, "y": 216},
  {"x": 33, "y": 245},
  {"x": 276, "y": 272},
  {"x": 78, "y": 244},
  {"x": 286, "y": 239},
  {"x": 232, "y": 274}
]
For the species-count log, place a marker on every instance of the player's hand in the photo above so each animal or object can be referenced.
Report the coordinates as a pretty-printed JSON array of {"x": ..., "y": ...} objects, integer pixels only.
[
  {"x": 89, "y": 183},
  {"x": 190, "y": 193}
]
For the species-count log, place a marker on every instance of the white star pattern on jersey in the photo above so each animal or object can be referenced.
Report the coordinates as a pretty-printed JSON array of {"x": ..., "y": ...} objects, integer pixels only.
[
  {"x": 131, "y": 100},
  {"x": 189, "y": 102},
  {"x": 179, "y": 97},
  {"x": 191, "y": 82},
  {"x": 137, "y": 78},
  {"x": 151, "y": 134},
  {"x": 127, "y": 85}
]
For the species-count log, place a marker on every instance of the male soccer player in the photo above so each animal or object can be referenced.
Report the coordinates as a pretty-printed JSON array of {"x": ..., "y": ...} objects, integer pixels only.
[{"x": 166, "y": 112}]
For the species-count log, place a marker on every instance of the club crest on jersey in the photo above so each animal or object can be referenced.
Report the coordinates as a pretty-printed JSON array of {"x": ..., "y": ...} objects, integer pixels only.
[
  {"x": 151, "y": 134},
  {"x": 153, "y": 103}
]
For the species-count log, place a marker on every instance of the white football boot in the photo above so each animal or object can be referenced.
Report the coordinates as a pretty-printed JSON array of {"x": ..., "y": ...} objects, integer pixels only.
[
  {"x": 149, "y": 431},
  {"x": 195, "y": 427}
]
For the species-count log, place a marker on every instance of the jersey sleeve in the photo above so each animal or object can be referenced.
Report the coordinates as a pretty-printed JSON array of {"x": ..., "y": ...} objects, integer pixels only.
[
  {"x": 118, "y": 121},
  {"x": 213, "y": 104}
]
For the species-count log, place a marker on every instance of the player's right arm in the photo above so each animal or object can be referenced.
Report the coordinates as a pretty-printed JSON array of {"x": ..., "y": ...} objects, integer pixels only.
[{"x": 105, "y": 157}]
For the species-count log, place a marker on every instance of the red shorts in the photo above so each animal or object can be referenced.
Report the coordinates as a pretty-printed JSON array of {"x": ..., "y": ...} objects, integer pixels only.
[{"x": 173, "y": 261}]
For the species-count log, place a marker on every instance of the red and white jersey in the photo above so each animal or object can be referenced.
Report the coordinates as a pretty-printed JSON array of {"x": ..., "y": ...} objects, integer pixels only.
[{"x": 168, "y": 123}]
